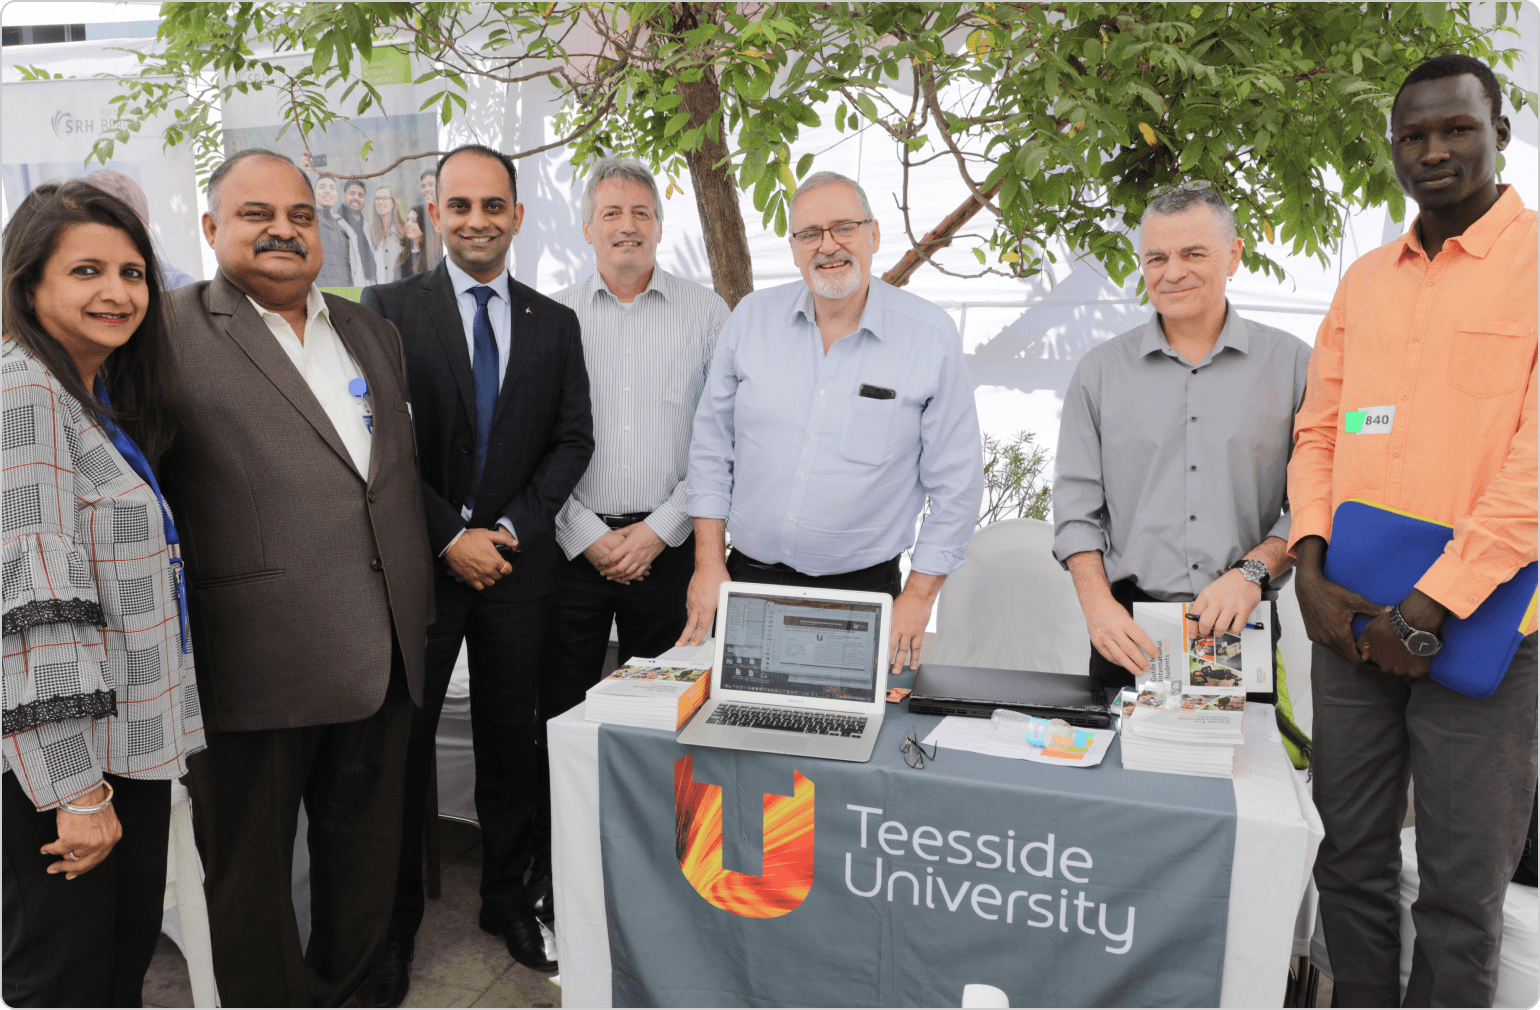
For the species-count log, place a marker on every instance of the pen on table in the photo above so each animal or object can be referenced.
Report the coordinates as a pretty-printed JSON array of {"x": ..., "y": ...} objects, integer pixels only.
[{"x": 1199, "y": 617}]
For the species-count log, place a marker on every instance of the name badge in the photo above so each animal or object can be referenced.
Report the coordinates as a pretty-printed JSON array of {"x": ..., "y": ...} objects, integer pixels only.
[
  {"x": 1369, "y": 420},
  {"x": 360, "y": 390}
]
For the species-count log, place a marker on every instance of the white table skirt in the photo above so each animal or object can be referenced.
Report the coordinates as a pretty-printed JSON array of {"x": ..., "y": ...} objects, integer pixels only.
[{"x": 1277, "y": 832}]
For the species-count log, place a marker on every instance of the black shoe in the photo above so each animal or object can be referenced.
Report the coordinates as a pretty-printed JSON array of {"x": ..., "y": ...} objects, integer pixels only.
[
  {"x": 542, "y": 901},
  {"x": 521, "y": 934},
  {"x": 390, "y": 977}
]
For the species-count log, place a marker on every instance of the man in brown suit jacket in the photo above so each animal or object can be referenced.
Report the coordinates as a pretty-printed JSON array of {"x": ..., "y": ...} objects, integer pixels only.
[{"x": 295, "y": 484}]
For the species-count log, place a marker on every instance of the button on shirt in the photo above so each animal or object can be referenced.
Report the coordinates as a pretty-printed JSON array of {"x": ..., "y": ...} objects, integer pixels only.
[
  {"x": 808, "y": 472},
  {"x": 1450, "y": 343},
  {"x": 501, "y": 314},
  {"x": 647, "y": 363},
  {"x": 1175, "y": 471},
  {"x": 327, "y": 367}
]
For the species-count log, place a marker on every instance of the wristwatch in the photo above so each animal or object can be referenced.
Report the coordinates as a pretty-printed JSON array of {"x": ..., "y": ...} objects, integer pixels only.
[
  {"x": 1253, "y": 570},
  {"x": 1417, "y": 642}
]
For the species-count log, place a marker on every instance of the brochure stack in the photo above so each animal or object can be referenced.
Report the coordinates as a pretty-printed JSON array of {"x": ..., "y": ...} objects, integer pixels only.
[
  {"x": 1186, "y": 716},
  {"x": 649, "y": 694}
]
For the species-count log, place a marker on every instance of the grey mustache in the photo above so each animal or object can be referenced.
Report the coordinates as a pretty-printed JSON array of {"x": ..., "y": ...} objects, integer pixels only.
[{"x": 286, "y": 244}]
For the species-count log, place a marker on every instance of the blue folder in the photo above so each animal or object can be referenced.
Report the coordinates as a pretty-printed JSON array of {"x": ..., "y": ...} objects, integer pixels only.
[{"x": 1380, "y": 553}]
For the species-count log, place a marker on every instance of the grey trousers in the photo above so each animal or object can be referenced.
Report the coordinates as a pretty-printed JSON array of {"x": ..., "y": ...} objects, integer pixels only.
[{"x": 1473, "y": 762}]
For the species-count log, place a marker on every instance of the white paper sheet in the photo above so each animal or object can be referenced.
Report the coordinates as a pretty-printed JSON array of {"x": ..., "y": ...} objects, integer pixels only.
[{"x": 957, "y": 732}]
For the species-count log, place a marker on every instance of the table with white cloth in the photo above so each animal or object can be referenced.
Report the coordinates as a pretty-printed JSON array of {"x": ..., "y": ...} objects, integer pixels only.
[{"x": 1277, "y": 832}]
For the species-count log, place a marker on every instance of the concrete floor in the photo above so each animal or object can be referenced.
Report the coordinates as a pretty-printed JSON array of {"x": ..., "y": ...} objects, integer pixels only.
[{"x": 457, "y": 965}]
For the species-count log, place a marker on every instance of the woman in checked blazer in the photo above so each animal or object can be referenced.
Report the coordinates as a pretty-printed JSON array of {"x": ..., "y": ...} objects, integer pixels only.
[{"x": 100, "y": 705}]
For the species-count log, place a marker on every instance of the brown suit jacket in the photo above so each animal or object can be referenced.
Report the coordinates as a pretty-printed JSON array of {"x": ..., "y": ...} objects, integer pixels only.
[{"x": 299, "y": 570}]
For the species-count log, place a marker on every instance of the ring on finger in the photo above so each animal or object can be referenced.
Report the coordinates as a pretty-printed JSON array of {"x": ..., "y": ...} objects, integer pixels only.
[{"x": 72, "y": 857}]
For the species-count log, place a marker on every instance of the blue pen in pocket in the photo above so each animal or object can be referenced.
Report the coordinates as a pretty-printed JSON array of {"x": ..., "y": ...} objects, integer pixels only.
[{"x": 360, "y": 389}]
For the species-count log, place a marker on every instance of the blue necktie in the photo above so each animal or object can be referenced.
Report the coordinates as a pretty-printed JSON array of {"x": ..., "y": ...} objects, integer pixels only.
[{"x": 484, "y": 371}]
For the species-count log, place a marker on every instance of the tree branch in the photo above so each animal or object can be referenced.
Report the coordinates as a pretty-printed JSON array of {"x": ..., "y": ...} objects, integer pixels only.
[{"x": 936, "y": 239}]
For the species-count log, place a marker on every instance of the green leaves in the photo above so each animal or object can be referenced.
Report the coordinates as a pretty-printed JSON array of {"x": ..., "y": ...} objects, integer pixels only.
[{"x": 1077, "y": 112}]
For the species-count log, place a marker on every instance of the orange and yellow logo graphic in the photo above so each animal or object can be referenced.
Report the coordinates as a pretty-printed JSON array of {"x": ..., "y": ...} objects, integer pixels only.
[{"x": 788, "y": 869}]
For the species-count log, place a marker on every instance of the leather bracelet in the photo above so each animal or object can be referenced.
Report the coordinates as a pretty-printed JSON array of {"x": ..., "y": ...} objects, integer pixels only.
[{"x": 70, "y": 808}]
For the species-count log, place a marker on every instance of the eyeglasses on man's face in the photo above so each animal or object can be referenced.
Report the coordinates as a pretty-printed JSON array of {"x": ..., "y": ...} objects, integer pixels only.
[{"x": 843, "y": 232}]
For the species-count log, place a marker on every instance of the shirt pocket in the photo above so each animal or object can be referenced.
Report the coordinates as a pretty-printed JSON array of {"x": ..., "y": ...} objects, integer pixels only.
[
  {"x": 1491, "y": 357},
  {"x": 683, "y": 387},
  {"x": 868, "y": 435}
]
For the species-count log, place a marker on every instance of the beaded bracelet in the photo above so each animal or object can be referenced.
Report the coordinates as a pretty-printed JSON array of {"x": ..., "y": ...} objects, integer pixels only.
[{"x": 70, "y": 808}]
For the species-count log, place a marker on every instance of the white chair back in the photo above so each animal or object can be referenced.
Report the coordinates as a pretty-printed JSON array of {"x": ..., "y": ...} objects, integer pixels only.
[{"x": 1011, "y": 606}]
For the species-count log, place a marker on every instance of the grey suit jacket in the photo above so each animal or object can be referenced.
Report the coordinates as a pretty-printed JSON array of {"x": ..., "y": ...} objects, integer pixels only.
[{"x": 300, "y": 571}]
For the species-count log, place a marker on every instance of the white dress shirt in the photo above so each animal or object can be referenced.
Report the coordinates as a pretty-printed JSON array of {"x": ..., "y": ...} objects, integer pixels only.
[
  {"x": 501, "y": 314},
  {"x": 323, "y": 361},
  {"x": 647, "y": 363}
]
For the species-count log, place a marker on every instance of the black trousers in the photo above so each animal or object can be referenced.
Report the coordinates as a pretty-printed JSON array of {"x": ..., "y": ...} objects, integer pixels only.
[
  {"x": 883, "y": 577},
  {"x": 1111, "y": 678},
  {"x": 649, "y": 616},
  {"x": 247, "y": 788},
  {"x": 84, "y": 942},
  {"x": 504, "y": 642}
]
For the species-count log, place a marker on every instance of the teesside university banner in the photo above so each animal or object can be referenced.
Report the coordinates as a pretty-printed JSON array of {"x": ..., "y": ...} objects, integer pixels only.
[{"x": 754, "y": 879}]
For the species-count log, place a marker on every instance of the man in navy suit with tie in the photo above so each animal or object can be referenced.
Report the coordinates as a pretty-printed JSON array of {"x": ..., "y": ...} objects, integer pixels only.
[{"x": 504, "y": 432}]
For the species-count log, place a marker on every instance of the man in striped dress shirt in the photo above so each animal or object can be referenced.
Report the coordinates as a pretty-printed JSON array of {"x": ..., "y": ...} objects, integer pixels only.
[{"x": 647, "y": 341}]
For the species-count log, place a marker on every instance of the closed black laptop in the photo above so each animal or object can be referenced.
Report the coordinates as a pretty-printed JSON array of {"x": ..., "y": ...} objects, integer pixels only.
[{"x": 978, "y": 691}]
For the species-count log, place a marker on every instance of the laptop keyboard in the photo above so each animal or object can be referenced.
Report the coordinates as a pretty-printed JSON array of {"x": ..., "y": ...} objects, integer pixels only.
[{"x": 791, "y": 720}]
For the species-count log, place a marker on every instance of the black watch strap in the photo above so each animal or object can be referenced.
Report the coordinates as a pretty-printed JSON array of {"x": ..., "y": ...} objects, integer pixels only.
[{"x": 1267, "y": 578}]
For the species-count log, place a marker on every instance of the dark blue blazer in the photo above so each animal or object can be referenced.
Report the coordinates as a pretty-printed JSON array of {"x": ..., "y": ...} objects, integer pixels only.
[{"x": 542, "y": 428}]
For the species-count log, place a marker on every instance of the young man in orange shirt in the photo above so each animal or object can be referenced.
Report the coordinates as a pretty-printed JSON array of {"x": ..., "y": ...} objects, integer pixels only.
[{"x": 1440, "y": 327}]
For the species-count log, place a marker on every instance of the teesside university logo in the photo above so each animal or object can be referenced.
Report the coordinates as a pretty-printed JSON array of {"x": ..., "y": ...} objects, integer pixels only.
[
  {"x": 997, "y": 877},
  {"x": 788, "y": 866}
]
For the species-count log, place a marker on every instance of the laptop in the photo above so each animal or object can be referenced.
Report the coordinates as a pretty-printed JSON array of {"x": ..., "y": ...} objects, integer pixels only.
[
  {"x": 797, "y": 671},
  {"x": 978, "y": 691}
]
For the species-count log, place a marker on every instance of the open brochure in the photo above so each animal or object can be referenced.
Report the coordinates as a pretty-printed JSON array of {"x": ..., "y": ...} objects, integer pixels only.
[
  {"x": 1196, "y": 688},
  {"x": 1217, "y": 660}
]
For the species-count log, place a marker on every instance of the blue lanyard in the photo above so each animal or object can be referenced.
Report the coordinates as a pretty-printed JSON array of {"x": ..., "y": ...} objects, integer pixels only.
[{"x": 136, "y": 459}]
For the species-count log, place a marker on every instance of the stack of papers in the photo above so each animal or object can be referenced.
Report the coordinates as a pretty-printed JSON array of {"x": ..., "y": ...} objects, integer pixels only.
[
  {"x": 1186, "y": 716},
  {"x": 650, "y": 694},
  {"x": 1081, "y": 748},
  {"x": 1208, "y": 760}
]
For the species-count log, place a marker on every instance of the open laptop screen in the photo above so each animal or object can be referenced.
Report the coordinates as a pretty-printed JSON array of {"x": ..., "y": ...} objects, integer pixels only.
[{"x": 795, "y": 646}]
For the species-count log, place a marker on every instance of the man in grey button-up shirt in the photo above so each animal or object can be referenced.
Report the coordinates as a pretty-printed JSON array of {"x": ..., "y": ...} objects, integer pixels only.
[{"x": 1174, "y": 445}]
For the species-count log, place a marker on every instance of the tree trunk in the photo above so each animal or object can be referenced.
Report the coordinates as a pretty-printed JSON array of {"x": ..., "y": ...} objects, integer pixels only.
[
  {"x": 936, "y": 239},
  {"x": 716, "y": 196},
  {"x": 716, "y": 191}
]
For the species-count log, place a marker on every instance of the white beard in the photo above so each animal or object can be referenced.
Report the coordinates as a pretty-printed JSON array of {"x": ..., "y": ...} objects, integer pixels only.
[{"x": 835, "y": 288}]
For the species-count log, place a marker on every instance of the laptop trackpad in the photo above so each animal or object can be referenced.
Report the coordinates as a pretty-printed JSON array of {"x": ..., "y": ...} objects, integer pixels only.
[{"x": 786, "y": 743}]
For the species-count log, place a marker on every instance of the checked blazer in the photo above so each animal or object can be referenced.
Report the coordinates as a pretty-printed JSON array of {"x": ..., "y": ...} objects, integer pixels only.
[
  {"x": 303, "y": 575},
  {"x": 542, "y": 428},
  {"x": 95, "y": 677}
]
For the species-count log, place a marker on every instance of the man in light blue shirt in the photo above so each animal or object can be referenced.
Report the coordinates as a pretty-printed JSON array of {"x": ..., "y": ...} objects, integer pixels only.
[{"x": 834, "y": 407}]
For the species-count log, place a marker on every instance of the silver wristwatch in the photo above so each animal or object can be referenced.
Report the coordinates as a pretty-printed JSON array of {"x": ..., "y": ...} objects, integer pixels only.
[
  {"x": 1417, "y": 642},
  {"x": 1253, "y": 570}
]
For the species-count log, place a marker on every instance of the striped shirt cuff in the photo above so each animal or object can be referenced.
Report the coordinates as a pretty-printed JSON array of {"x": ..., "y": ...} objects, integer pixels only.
[
  {"x": 577, "y": 535},
  {"x": 671, "y": 525}
]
